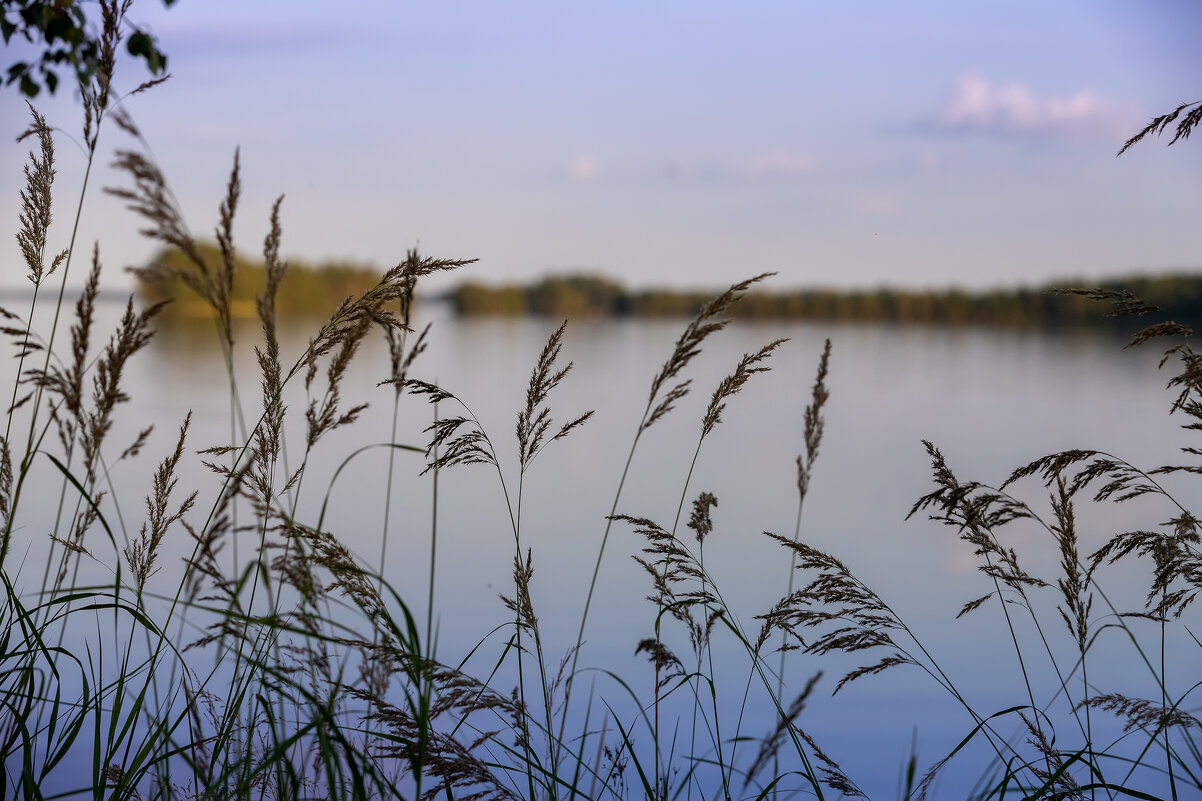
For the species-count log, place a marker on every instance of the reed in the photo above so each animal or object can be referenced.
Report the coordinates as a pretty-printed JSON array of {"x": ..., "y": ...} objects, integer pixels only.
[{"x": 272, "y": 662}]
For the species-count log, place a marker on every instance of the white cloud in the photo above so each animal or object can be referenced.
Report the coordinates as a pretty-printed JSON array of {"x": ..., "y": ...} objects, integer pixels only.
[
  {"x": 978, "y": 105},
  {"x": 582, "y": 168}
]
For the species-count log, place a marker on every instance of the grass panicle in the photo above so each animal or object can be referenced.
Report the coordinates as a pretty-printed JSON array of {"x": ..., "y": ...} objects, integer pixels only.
[
  {"x": 143, "y": 552},
  {"x": 854, "y": 617},
  {"x": 535, "y": 419},
  {"x": 708, "y": 321},
  {"x": 1142, "y": 714},
  {"x": 1161, "y": 123},
  {"x": 151, "y": 199},
  {"x": 814, "y": 426},
  {"x": 36, "y": 203},
  {"x": 748, "y": 366}
]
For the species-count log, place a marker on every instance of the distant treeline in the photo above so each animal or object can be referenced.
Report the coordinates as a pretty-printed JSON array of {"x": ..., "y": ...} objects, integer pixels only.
[
  {"x": 307, "y": 290},
  {"x": 316, "y": 290},
  {"x": 586, "y": 295}
]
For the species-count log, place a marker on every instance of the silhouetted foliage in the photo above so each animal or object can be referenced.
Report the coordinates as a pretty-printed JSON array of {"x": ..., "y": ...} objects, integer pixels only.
[{"x": 67, "y": 38}]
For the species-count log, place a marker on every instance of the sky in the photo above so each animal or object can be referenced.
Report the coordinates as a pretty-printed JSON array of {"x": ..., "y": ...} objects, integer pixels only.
[{"x": 848, "y": 144}]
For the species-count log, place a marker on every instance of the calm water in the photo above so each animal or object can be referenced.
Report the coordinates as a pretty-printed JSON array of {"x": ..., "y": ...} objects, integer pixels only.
[{"x": 990, "y": 399}]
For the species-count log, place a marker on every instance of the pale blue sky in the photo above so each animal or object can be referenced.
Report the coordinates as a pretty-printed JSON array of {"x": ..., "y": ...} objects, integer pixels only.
[{"x": 848, "y": 143}]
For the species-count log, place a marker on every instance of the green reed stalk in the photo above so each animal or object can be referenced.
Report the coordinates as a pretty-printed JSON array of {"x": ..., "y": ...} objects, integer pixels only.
[{"x": 433, "y": 549}]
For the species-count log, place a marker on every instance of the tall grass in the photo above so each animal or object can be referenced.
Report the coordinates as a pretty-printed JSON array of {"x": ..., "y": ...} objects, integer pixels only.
[{"x": 273, "y": 663}]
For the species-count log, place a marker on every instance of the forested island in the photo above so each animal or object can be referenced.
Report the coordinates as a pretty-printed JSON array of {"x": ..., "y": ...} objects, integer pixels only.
[
  {"x": 316, "y": 290},
  {"x": 308, "y": 290}
]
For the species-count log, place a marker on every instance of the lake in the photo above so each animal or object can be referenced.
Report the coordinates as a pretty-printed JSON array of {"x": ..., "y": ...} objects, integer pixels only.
[{"x": 990, "y": 399}]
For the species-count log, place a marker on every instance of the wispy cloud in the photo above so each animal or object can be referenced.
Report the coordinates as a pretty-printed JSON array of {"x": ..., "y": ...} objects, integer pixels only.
[{"x": 977, "y": 105}]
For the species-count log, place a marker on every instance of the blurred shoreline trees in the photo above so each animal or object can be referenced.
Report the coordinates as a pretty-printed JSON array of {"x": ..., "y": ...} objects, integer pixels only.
[
  {"x": 315, "y": 290},
  {"x": 1180, "y": 294},
  {"x": 307, "y": 290}
]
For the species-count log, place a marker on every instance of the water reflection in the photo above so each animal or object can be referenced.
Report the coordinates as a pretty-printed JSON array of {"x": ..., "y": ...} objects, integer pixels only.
[{"x": 990, "y": 399}]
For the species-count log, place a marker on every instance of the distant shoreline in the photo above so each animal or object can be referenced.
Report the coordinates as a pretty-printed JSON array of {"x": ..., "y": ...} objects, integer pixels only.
[
  {"x": 315, "y": 291},
  {"x": 1179, "y": 294}
]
